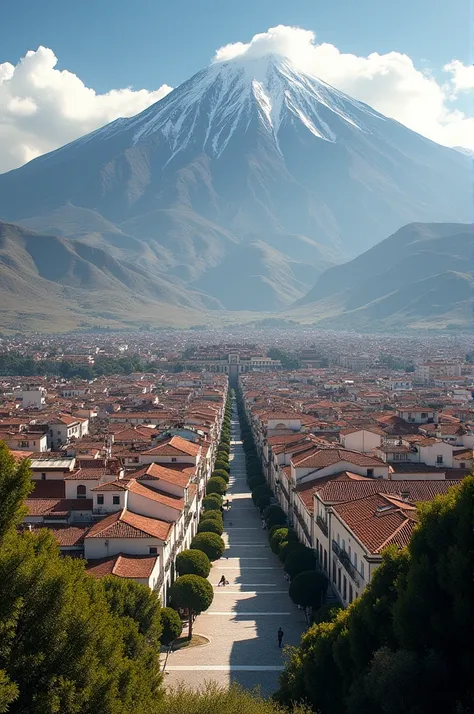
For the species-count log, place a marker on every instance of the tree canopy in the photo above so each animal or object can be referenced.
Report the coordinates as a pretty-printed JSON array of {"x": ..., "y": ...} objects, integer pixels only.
[
  {"x": 406, "y": 643},
  {"x": 192, "y": 593},
  {"x": 210, "y": 543},
  {"x": 193, "y": 562},
  {"x": 171, "y": 625}
]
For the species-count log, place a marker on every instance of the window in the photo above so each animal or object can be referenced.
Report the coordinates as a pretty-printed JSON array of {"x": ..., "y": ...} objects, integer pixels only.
[
  {"x": 424, "y": 415},
  {"x": 349, "y": 552},
  {"x": 351, "y": 593},
  {"x": 344, "y": 588},
  {"x": 43, "y": 477},
  {"x": 325, "y": 559},
  {"x": 362, "y": 568},
  {"x": 81, "y": 491},
  {"x": 153, "y": 550},
  {"x": 338, "y": 539},
  {"x": 173, "y": 459},
  {"x": 116, "y": 500},
  {"x": 339, "y": 580},
  {"x": 343, "y": 544},
  {"x": 370, "y": 472},
  {"x": 100, "y": 499},
  {"x": 462, "y": 465},
  {"x": 439, "y": 459},
  {"x": 355, "y": 561},
  {"x": 334, "y": 571}
]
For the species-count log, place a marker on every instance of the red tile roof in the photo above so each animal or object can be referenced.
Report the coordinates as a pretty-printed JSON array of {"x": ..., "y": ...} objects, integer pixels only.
[
  {"x": 125, "y": 524},
  {"x": 123, "y": 566}
]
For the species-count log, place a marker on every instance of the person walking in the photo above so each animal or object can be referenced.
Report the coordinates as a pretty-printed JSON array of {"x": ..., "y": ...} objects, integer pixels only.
[
  {"x": 280, "y": 634},
  {"x": 221, "y": 582}
]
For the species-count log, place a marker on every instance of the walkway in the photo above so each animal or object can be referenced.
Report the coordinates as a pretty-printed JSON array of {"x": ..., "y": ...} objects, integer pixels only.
[{"x": 243, "y": 620}]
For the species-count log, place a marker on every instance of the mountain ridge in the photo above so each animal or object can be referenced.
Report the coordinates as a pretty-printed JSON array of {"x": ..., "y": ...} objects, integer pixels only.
[{"x": 243, "y": 151}]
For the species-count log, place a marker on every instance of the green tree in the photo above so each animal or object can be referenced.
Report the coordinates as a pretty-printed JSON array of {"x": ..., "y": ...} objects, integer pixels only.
[
  {"x": 300, "y": 559},
  {"x": 274, "y": 515},
  {"x": 278, "y": 537},
  {"x": 212, "y": 502},
  {"x": 193, "y": 593},
  {"x": 259, "y": 491},
  {"x": 171, "y": 625},
  {"x": 219, "y": 473},
  {"x": 127, "y": 598},
  {"x": 215, "y": 516},
  {"x": 210, "y": 543},
  {"x": 308, "y": 588},
  {"x": 286, "y": 547},
  {"x": 15, "y": 485},
  {"x": 210, "y": 526},
  {"x": 216, "y": 484},
  {"x": 193, "y": 562},
  {"x": 222, "y": 465}
]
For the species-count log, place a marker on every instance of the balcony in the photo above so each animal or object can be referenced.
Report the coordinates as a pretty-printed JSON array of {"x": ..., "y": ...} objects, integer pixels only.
[
  {"x": 303, "y": 526},
  {"x": 346, "y": 562},
  {"x": 323, "y": 526}
]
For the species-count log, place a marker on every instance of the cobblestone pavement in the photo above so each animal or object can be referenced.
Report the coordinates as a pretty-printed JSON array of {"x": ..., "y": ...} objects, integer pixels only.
[{"x": 244, "y": 617}]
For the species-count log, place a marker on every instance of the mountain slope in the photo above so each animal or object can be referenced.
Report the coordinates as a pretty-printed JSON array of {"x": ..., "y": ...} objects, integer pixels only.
[
  {"x": 244, "y": 151},
  {"x": 422, "y": 275},
  {"x": 44, "y": 277}
]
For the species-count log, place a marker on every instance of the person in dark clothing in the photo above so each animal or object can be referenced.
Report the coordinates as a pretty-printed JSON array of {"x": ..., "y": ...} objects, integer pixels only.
[{"x": 280, "y": 634}]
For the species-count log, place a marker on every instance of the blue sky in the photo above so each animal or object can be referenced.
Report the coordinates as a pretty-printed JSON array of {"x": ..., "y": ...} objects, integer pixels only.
[
  {"x": 92, "y": 61},
  {"x": 145, "y": 43}
]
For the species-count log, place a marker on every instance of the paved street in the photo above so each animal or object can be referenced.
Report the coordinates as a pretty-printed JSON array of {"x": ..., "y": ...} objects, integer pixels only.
[{"x": 243, "y": 620}]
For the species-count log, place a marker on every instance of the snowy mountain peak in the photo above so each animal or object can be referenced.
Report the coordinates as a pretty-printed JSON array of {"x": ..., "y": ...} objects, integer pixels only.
[{"x": 225, "y": 96}]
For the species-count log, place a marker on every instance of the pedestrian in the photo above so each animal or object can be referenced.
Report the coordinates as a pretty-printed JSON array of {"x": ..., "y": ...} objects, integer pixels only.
[
  {"x": 280, "y": 634},
  {"x": 221, "y": 581},
  {"x": 264, "y": 526}
]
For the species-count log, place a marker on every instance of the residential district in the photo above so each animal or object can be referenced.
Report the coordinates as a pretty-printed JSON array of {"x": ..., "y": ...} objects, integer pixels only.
[{"x": 347, "y": 445}]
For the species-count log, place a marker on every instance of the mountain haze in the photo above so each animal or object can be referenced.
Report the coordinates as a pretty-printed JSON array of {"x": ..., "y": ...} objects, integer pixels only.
[
  {"x": 249, "y": 161},
  {"x": 423, "y": 275}
]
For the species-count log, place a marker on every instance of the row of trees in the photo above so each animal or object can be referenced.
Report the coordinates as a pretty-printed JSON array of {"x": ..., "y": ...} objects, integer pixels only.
[
  {"x": 191, "y": 590},
  {"x": 14, "y": 363},
  {"x": 72, "y": 644},
  {"x": 308, "y": 585},
  {"x": 406, "y": 644}
]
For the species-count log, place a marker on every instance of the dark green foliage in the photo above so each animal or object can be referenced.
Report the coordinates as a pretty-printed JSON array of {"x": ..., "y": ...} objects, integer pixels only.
[
  {"x": 300, "y": 559},
  {"x": 222, "y": 466},
  {"x": 326, "y": 613},
  {"x": 254, "y": 481},
  {"x": 286, "y": 547},
  {"x": 192, "y": 593},
  {"x": 171, "y": 625},
  {"x": 210, "y": 543},
  {"x": 212, "y": 516},
  {"x": 287, "y": 359},
  {"x": 15, "y": 485},
  {"x": 129, "y": 599},
  {"x": 13, "y": 363},
  {"x": 260, "y": 490},
  {"x": 210, "y": 526},
  {"x": 216, "y": 484},
  {"x": 212, "y": 502},
  {"x": 193, "y": 562},
  {"x": 62, "y": 644},
  {"x": 278, "y": 536},
  {"x": 274, "y": 515},
  {"x": 219, "y": 473},
  {"x": 308, "y": 588},
  {"x": 406, "y": 643}
]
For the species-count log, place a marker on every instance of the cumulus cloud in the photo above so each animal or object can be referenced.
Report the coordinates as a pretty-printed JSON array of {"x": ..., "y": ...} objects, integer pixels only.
[
  {"x": 42, "y": 108},
  {"x": 388, "y": 82}
]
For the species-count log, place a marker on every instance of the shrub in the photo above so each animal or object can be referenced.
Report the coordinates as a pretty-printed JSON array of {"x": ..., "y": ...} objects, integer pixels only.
[
  {"x": 280, "y": 535},
  {"x": 216, "y": 485},
  {"x": 193, "y": 562},
  {"x": 212, "y": 502},
  {"x": 210, "y": 527},
  {"x": 220, "y": 473},
  {"x": 326, "y": 613},
  {"x": 274, "y": 515},
  {"x": 308, "y": 588},
  {"x": 263, "y": 501},
  {"x": 260, "y": 490},
  {"x": 171, "y": 624},
  {"x": 210, "y": 543},
  {"x": 224, "y": 465},
  {"x": 286, "y": 547},
  {"x": 193, "y": 593},
  {"x": 300, "y": 559},
  {"x": 212, "y": 516}
]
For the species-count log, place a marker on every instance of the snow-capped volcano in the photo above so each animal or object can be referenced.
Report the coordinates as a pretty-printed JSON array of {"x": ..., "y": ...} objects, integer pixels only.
[
  {"x": 216, "y": 101},
  {"x": 249, "y": 163}
]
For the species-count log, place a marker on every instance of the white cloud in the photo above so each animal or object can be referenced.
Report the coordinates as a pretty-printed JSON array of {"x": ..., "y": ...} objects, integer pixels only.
[
  {"x": 389, "y": 82},
  {"x": 42, "y": 107}
]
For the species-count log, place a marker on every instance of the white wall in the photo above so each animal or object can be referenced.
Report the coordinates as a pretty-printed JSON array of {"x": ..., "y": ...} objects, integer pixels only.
[
  {"x": 363, "y": 441},
  {"x": 95, "y": 548}
]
